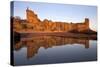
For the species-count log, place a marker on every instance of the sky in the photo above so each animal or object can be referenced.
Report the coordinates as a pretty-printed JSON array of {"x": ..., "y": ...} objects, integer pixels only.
[{"x": 58, "y": 12}]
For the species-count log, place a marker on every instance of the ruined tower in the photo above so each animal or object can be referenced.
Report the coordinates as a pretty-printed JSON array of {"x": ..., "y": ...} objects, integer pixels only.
[
  {"x": 31, "y": 16},
  {"x": 86, "y": 23}
]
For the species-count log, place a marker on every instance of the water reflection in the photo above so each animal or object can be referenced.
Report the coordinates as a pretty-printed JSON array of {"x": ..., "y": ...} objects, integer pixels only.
[{"x": 34, "y": 43}]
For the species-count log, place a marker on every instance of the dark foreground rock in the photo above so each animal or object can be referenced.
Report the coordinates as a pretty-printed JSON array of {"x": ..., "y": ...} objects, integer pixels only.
[
  {"x": 16, "y": 36},
  {"x": 62, "y": 34}
]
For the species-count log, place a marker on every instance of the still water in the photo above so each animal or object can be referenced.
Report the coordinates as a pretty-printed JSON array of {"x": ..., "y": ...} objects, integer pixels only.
[{"x": 51, "y": 49}]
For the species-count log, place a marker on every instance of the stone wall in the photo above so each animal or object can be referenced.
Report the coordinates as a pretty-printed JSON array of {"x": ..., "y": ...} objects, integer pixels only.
[{"x": 33, "y": 23}]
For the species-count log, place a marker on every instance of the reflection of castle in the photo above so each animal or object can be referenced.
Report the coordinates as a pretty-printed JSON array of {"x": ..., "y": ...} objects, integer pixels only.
[
  {"x": 33, "y": 44},
  {"x": 33, "y": 23}
]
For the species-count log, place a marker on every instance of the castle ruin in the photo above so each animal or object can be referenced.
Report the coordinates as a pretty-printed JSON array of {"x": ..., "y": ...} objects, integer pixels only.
[{"x": 33, "y": 23}]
